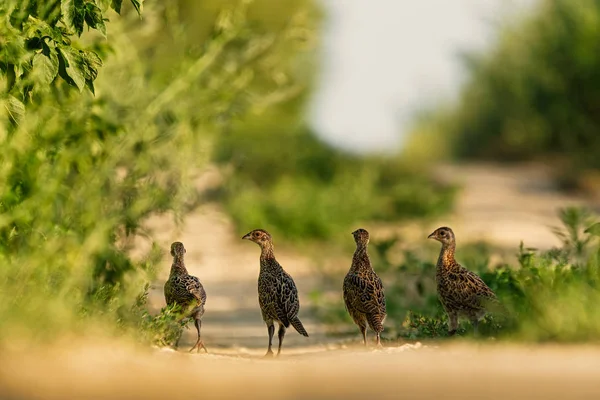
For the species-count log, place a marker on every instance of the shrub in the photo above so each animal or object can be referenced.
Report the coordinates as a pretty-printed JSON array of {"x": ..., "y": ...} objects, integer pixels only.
[{"x": 96, "y": 138}]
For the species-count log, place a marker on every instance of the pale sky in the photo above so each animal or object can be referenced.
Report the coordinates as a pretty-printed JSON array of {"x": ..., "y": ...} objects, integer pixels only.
[{"x": 383, "y": 59}]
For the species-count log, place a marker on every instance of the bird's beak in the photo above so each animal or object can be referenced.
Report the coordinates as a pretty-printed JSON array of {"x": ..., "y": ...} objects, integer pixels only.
[
  {"x": 247, "y": 236},
  {"x": 432, "y": 236}
]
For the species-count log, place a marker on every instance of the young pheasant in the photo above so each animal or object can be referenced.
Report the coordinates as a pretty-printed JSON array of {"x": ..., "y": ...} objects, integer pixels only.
[
  {"x": 185, "y": 290},
  {"x": 363, "y": 290},
  {"x": 277, "y": 293},
  {"x": 461, "y": 292}
]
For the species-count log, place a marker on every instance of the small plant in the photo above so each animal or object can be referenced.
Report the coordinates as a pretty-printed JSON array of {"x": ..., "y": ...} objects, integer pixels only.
[
  {"x": 418, "y": 326},
  {"x": 165, "y": 328},
  {"x": 162, "y": 329}
]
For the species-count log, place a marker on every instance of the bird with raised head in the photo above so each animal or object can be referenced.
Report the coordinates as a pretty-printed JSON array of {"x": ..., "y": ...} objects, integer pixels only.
[
  {"x": 461, "y": 292},
  {"x": 277, "y": 292},
  {"x": 185, "y": 290},
  {"x": 363, "y": 290}
]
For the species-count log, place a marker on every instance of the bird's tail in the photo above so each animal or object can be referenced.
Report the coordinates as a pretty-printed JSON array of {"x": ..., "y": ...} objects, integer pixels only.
[
  {"x": 376, "y": 321},
  {"x": 298, "y": 326}
]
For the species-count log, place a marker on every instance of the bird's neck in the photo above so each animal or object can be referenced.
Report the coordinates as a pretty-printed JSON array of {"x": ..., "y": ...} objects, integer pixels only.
[
  {"x": 446, "y": 259},
  {"x": 267, "y": 257},
  {"x": 178, "y": 266},
  {"x": 360, "y": 260}
]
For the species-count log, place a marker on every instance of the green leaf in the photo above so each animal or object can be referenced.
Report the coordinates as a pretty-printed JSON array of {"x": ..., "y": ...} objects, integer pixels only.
[
  {"x": 15, "y": 108},
  {"x": 91, "y": 63},
  {"x": 594, "y": 230},
  {"x": 45, "y": 67},
  {"x": 93, "y": 17},
  {"x": 116, "y": 5},
  {"x": 38, "y": 28},
  {"x": 74, "y": 66},
  {"x": 90, "y": 85},
  {"x": 73, "y": 13},
  {"x": 138, "y": 4}
]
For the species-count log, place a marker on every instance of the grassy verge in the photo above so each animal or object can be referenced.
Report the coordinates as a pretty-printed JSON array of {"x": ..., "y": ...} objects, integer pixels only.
[{"x": 549, "y": 295}]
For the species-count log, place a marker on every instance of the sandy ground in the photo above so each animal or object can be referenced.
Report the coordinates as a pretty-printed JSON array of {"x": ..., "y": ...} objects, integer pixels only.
[
  {"x": 502, "y": 205},
  {"x": 408, "y": 372}
]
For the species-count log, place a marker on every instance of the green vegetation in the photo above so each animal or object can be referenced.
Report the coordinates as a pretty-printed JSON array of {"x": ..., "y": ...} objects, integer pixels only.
[
  {"x": 546, "y": 296},
  {"x": 284, "y": 179},
  {"x": 534, "y": 95},
  {"x": 104, "y": 121}
]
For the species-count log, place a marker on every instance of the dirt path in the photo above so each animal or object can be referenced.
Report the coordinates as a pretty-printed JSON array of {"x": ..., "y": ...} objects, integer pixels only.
[
  {"x": 506, "y": 204},
  {"x": 496, "y": 203},
  {"x": 106, "y": 371},
  {"x": 499, "y": 204}
]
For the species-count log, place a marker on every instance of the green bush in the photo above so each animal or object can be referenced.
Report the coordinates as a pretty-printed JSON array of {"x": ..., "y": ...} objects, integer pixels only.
[
  {"x": 299, "y": 188},
  {"x": 99, "y": 134}
]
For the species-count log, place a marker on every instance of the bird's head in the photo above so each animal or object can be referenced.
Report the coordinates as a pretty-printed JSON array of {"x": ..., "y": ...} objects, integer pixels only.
[
  {"x": 258, "y": 236},
  {"x": 361, "y": 237},
  {"x": 443, "y": 235},
  {"x": 177, "y": 249}
]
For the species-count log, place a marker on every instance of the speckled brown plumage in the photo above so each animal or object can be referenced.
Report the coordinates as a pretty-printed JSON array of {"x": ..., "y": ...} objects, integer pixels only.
[
  {"x": 363, "y": 290},
  {"x": 461, "y": 292},
  {"x": 185, "y": 290},
  {"x": 277, "y": 293}
]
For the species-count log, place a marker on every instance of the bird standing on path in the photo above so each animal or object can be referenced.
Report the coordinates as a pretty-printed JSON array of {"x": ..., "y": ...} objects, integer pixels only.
[
  {"x": 277, "y": 293},
  {"x": 185, "y": 290},
  {"x": 461, "y": 292},
  {"x": 363, "y": 290}
]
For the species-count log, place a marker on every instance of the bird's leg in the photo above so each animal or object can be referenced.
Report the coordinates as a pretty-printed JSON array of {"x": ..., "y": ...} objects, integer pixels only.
[
  {"x": 475, "y": 323},
  {"x": 379, "y": 339},
  {"x": 271, "y": 329},
  {"x": 452, "y": 323},
  {"x": 199, "y": 343},
  {"x": 363, "y": 330},
  {"x": 280, "y": 334},
  {"x": 178, "y": 339}
]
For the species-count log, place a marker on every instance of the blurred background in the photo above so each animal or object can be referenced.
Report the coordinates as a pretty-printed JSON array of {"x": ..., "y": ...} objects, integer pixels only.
[{"x": 126, "y": 126}]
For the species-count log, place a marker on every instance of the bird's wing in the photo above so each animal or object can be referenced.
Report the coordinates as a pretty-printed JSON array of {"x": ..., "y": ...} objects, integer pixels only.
[
  {"x": 289, "y": 301},
  {"x": 193, "y": 286},
  {"x": 270, "y": 297},
  {"x": 364, "y": 293},
  {"x": 469, "y": 288}
]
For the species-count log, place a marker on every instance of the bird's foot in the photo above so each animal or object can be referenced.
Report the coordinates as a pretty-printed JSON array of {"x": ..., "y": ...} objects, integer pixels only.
[
  {"x": 199, "y": 345},
  {"x": 269, "y": 354}
]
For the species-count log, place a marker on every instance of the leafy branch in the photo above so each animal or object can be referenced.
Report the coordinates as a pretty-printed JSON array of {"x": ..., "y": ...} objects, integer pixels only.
[{"x": 37, "y": 46}]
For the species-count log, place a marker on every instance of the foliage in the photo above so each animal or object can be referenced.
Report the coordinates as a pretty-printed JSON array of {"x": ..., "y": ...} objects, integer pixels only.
[
  {"x": 163, "y": 329},
  {"x": 38, "y": 47},
  {"x": 289, "y": 182},
  {"x": 548, "y": 296},
  {"x": 80, "y": 173},
  {"x": 533, "y": 95}
]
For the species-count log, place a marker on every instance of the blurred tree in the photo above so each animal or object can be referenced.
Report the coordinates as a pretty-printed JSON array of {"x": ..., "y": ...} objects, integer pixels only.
[{"x": 536, "y": 93}]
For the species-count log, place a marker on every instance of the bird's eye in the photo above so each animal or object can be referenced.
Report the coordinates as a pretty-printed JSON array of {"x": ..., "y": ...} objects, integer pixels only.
[{"x": 443, "y": 233}]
